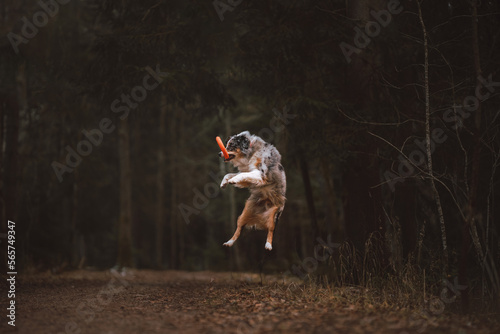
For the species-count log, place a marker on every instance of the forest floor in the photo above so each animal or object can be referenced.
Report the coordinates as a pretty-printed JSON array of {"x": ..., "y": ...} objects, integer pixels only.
[{"x": 144, "y": 301}]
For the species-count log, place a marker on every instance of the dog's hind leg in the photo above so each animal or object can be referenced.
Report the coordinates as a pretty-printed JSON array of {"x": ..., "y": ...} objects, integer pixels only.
[
  {"x": 246, "y": 217},
  {"x": 271, "y": 224},
  {"x": 269, "y": 242}
]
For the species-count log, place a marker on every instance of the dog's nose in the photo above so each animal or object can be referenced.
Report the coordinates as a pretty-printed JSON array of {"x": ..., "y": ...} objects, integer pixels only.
[{"x": 220, "y": 154}]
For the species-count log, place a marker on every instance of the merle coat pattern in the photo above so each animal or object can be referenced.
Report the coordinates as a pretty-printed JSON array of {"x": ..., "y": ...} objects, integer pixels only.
[{"x": 261, "y": 172}]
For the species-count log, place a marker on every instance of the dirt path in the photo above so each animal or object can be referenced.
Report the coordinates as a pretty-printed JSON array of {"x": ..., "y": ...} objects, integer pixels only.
[{"x": 207, "y": 302}]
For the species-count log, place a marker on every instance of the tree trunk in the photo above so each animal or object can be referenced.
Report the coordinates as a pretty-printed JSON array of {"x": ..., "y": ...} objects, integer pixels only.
[
  {"x": 337, "y": 226},
  {"x": 181, "y": 227},
  {"x": 304, "y": 169},
  {"x": 173, "y": 189},
  {"x": 363, "y": 203},
  {"x": 11, "y": 144},
  {"x": 11, "y": 173},
  {"x": 75, "y": 244},
  {"x": 469, "y": 226},
  {"x": 160, "y": 209},
  {"x": 428, "y": 142},
  {"x": 3, "y": 109},
  {"x": 125, "y": 222},
  {"x": 230, "y": 196},
  {"x": 10, "y": 176}
]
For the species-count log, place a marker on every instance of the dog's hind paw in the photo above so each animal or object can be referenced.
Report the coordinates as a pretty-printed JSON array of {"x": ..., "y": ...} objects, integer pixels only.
[
  {"x": 229, "y": 243},
  {"x": 269, "y": 246}
]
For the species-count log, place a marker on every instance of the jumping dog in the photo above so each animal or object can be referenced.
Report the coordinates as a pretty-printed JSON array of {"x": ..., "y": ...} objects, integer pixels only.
[{"x": 259, "y": 164}]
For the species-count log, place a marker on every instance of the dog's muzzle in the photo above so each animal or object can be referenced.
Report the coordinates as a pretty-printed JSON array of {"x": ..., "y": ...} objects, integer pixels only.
[{"x": 231, "y": 156}]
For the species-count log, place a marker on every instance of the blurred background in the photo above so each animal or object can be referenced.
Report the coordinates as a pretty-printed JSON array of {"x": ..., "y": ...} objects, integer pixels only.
[{"x": 110, "y": 109}]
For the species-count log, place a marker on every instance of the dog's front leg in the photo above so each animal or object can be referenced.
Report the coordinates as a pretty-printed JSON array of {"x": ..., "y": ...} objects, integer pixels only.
[
  {"x": 226, "y": 179},
  {"x": 242, "y": 180}
]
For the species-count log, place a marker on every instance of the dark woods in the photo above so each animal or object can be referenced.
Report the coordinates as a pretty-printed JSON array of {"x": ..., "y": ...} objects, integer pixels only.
[{"x": 387, "y": 116}]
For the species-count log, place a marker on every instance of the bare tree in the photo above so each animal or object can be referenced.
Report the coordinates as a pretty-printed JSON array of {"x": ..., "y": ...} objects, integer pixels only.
[{"x": 428, "y": 141}]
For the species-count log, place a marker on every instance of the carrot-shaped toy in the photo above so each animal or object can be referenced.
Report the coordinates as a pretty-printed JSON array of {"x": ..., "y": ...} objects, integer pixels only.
[{"x": 221, "y": 145}]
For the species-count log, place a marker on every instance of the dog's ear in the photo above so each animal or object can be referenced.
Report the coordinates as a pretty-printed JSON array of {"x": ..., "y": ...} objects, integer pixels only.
[{"x": 252, "y": 139}]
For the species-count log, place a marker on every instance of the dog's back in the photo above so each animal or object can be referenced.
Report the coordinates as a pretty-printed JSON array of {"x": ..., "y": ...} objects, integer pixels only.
[{"x": 267, "y": 160}]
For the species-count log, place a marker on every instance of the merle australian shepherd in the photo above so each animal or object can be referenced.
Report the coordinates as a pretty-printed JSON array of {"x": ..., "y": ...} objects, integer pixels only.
[{"x": 261, "y": 172}]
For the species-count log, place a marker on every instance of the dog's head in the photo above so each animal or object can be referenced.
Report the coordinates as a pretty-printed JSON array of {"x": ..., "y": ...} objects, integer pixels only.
[{"x": 238, "y": 147}]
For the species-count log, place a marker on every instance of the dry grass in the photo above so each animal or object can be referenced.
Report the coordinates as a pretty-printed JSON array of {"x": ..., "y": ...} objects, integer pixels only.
[{"x": 397, "y": 285}]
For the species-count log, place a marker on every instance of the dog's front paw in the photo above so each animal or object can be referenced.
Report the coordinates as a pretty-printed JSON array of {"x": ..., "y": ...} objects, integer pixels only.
[
  {"x": 225, "y": 181},
  {"x": 229, "y": 243},
  {"x": 269, "y": 246},
  {"x": 235, "y": 180}
]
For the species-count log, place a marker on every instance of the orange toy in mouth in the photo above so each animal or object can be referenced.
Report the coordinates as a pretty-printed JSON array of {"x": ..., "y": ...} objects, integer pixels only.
[{"x": 223, "y": 149}]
